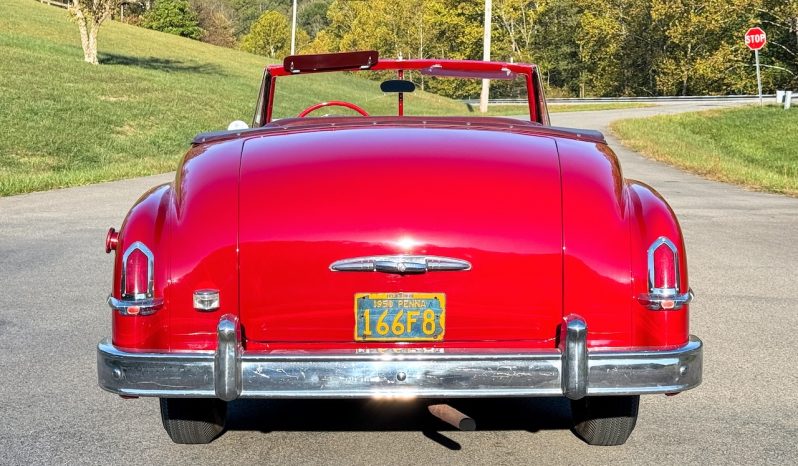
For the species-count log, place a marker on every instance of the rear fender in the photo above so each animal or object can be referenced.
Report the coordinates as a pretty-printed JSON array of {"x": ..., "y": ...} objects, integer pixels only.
[
  {"x": 146, "y": 222},
  {"x": 203, "y": 251},
  {"x": 650, "y": 218},
  {"x": 596, "y": 279}
]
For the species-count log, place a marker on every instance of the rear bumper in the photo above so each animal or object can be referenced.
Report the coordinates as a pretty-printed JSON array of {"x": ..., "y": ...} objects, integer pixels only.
[{"x": 229, "y": 373}]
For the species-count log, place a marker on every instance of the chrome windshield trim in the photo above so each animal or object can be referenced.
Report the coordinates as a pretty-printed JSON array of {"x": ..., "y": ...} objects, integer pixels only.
[{"x": 402, "y": 264}]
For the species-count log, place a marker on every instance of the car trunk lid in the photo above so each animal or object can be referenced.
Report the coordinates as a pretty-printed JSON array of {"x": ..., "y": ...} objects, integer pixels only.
[{"x": 490, "y": 199}]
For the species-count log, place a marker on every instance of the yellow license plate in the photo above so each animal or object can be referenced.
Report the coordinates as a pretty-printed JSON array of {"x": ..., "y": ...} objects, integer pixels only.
[{"x": 400, "y": 316}]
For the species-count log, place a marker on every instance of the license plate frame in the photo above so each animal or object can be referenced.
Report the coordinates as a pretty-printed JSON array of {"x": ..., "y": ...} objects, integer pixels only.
[{"x": 409, "y": 312}]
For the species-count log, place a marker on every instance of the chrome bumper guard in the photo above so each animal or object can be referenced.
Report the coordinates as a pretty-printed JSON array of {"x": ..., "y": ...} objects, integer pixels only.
[{"x": 570, "y": 370}]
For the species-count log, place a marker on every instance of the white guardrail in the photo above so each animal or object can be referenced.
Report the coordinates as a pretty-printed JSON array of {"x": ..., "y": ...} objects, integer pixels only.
[
  {"x": 664, "y": 99},
  {"x": 58, "y": 3}
]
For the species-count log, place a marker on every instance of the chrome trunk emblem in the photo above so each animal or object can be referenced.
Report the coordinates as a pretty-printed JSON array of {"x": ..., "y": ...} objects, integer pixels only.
[{"x": 399, "y": 264}]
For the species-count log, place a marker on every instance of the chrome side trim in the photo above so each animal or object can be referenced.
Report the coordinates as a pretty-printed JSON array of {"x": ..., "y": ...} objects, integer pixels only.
[
  {"x": 227, "y": 360},
  {"x": 400, "y": 264},
  {"x": 135, "y": 307},
  {"x": 229, "y": 373},
  {"x": 150, "y": 271},
  {"x": 573, "y": 345}
]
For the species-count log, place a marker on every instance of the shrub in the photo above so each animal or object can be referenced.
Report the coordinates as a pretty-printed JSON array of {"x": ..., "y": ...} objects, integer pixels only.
[{"x": 174, "y": 17}]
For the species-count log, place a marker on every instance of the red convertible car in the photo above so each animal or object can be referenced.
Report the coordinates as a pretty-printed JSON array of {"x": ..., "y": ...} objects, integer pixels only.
[{"x": 388, "y": 253}]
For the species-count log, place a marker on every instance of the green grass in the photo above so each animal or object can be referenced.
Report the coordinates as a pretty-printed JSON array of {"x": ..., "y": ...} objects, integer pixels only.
[
  {"x": 64, "y": 122},
  {"x": 750, "y": 146}
]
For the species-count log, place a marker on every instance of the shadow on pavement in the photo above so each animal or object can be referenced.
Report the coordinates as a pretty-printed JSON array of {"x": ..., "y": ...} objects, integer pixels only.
[{"x": 492, "y": 414}]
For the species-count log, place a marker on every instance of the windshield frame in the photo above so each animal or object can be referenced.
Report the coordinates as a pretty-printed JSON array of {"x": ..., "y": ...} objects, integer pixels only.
[{"x": 469, "y": 68}]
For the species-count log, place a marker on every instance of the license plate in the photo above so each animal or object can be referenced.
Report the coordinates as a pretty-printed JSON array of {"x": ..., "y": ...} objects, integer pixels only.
[{"x": 400, "y": 316}]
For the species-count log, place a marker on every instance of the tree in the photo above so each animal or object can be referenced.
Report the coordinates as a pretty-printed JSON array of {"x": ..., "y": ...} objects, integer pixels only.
[
  {"x": 779, "y": 18},
  {"x": 90, "y": 15},
  {"x": 312, "y": 16},
  {"x": 214, "y": 20},
  {"x": 248, "y": 11},
  {"x": 411, "y": 29},
  {"x": 270, "y": 35},
  {"x": 704, "y": 52},
  {"x": 218, "y": 30},
  {"x": 173, "y": 17},
  {"x": 619, "y": 47}
]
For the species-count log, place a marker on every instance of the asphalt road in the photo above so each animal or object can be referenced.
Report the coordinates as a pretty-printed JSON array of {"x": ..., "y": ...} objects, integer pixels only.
[{"x": 54, "y": 277}]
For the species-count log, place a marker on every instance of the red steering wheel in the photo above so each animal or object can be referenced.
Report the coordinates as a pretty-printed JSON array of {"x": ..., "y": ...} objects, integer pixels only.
[{"x": 332, "y": 103}]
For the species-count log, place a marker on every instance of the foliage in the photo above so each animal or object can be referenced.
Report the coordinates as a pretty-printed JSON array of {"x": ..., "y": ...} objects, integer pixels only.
[
  {"x": 213, "y": 17},
  {"x": 312, "y": 16},
  {"x": 704, "y": 46},
  {"x": 173, "y": 17},
  {"x": 780, "y": 20},
  {"x": 583, "y": 47},
  {"x": 269, "y": 36},
  {"x": 723, "y": 145},
  {"x": 218, "y": 29},
  {"x": 248, "y": 11}
]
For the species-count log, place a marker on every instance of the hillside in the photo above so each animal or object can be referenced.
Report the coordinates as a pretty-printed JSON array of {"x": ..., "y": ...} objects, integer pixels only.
[
  {"x": 64, "y": 122},
  {"x": 750, "y": 146}
]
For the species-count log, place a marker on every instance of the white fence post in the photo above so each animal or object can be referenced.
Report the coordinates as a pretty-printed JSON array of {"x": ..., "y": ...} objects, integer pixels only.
[
  {"x": 779, "y": 97},
  {"x": 787, "y": 100}
]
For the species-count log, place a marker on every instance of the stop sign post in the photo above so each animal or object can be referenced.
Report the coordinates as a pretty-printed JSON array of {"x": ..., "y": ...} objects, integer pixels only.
[{"x": 755, "y": 39}]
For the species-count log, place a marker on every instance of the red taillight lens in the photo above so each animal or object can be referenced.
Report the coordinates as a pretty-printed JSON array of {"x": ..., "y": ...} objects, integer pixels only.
[
  {"x": 664, "y": 268},
  {"x": 136, "y": 274}
]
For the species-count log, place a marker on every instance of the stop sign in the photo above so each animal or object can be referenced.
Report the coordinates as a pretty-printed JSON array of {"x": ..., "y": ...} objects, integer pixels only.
[{"x": 755, "y": 38}]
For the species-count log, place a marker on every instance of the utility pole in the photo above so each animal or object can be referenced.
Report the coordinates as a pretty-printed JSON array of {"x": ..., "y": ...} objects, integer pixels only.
[
  {"x": 483, "y": 96},
  {"x": 293, "y": 31}
]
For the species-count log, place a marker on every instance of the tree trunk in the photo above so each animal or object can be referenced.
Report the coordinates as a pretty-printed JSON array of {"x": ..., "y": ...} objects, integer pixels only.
[
  {"x": 687, "y": 68},
  {"x": 90, "y": 52},
  {"x": 85, "y": 39}
]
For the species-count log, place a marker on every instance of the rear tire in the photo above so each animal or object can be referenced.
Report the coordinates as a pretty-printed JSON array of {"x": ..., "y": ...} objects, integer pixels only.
[
  {"x": 193, "y": 420},
  {"x": 605, "y": 420}
]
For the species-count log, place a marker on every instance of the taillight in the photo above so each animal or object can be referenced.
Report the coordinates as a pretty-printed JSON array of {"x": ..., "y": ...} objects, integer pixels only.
[
  {"x": 663, "y": 268},
  {"x": 137, "y": 272},
  {"x": 664, "y": 280}
]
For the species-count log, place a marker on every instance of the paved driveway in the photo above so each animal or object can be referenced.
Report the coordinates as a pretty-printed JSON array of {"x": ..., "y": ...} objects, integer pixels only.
[{"x": 54, "y": 278}]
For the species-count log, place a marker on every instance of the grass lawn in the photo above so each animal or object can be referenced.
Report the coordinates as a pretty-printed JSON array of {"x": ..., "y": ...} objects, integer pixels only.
[
  {"x": 750, "y": 146},
  {"x": 64, "y": 122}
]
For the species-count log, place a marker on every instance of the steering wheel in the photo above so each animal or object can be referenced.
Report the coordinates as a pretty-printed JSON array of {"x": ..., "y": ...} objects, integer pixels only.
[{"x": 332, "y": 103}]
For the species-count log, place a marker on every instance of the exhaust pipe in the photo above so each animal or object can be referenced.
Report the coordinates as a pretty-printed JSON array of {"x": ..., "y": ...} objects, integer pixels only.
[{"x": 453, "y": 417}]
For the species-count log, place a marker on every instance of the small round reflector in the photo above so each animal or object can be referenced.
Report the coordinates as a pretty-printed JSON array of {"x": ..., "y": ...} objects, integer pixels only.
[{"x": 111, "y": 240}]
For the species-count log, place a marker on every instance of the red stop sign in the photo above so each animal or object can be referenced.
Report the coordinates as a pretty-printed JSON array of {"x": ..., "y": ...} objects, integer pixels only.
[{"x": 755, "y": 38}]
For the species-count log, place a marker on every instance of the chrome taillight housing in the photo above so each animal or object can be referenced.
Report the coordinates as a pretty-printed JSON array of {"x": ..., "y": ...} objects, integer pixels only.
[
  {"x": 663, "y": 268},
  {"x": 664, "y": 277},
  {"x": 137, "y": 283},
  {"x": 138, "y": 269}
]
